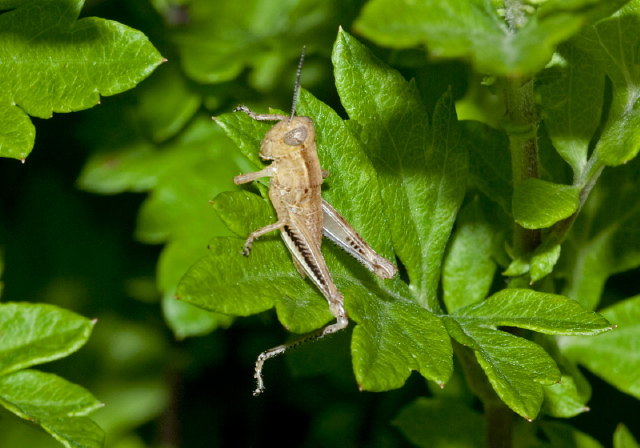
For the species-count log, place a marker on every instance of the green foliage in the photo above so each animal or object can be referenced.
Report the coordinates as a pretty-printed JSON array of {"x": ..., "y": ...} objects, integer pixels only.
[
  {"x": 54, "y": 63},
  {"x": 476, "y": 31},
  {"x": 613, "y": 356},
  {"x": 538, "y": 204},
  {"x": 33, "y": 334},
  {"x": 487, "y": 148}
]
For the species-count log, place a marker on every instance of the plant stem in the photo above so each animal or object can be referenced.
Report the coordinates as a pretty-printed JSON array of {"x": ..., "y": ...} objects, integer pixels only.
[
  {"x": 498, "y": 416},
  {"x": 499, "y": 420},
  {"x": 521, "y": 124}
]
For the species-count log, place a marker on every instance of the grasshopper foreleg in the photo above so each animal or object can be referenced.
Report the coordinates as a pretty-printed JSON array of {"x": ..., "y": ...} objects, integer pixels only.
[{"x": 260, "y": 117}]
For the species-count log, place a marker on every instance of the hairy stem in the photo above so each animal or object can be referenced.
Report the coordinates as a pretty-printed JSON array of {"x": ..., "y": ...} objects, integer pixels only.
[{"x": 521, "y": 124}]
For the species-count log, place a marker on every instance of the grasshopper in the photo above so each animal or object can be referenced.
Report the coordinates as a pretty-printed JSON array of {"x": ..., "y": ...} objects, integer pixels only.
[{"x": 303, "y": 216}]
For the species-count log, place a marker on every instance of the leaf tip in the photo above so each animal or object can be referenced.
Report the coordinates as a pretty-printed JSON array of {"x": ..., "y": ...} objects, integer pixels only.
[
  {"x": 94, "y": 321},
  {"x": 614, "y": 326},
  {"x": 24, "y": 159},
  {"x": 164, "y": 60},
  {"x": 360, "y": 388},
  {"x": 177, "y": 297},
  {"x": 214, "y": 118},
  {"x": 586, "y": 409}
]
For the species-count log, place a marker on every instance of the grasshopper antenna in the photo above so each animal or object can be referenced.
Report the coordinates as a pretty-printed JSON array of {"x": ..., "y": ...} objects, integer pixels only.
[{"x": 296, "y": 88}]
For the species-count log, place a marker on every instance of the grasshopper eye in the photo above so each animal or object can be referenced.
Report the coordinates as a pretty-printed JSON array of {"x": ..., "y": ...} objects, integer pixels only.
[{"x": 296, "y": 136}]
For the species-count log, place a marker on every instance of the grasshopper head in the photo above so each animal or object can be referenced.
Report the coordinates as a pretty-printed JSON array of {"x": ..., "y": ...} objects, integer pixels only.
[{"x": 287, "y": 137}]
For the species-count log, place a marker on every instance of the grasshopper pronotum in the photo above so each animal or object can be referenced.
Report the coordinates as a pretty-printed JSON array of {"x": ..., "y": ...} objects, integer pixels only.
[{"x": 303, "y": 216}]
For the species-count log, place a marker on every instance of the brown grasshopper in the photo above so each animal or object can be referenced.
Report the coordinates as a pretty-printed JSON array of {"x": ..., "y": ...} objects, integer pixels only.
[{"x": 303, "y": 216}]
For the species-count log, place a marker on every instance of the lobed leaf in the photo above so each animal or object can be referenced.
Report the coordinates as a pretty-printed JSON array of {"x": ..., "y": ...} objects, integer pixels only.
[
  {"x": 422, "y": 172},
  {"x": 229, "y": 283},
  {"x": 516, "y": 368},
  {"x": 394, "y": 337},
  {"x": 37, "y": 333},
  {"x": 473, "y": 30},
  {"x": 611, "y": 43},
  {"x": 53, "y": 62}
]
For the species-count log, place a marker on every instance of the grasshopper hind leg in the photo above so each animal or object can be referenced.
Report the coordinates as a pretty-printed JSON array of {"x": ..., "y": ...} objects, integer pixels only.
[{"x": 341, "y": 323}]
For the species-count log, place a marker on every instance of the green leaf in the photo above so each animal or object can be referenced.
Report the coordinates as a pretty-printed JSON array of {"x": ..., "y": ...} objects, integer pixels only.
[
  {"x": 262, "y": 37},
  {"x": 393, "y": 338},
  {"x": 566, "y": 399},
  {"x": 614, "y": 356},
  {"x": 166, "y": 103},
  {"x": 76, "y": 432},
  {"x": 37, "y": 333},
  {"x": 36, "y": 395},
  {"x": 539, "y": 204},
  {"x": 572, "y": 97},
  {"x": 516, "y": 368},
  {"x": 570, "y": 396},
  {"x": 422, "y": 172},
  {"x": 473, "y": 30},
  {"x": 612, "y": 46},
  {"x": 53, "y": 62},
  {"x": 227, "y": 282},
  {"x": 544, "y": 259},
  {"x": 468, "y": 267},
  {"x": 533, "y": 310},
  {"x": 605, "y": 239},
  {"x": 184, "y": 320},
  {"x": 451, "y": 423},
  {"x": 179, "y": 176},
  {"x": 231, "y": 206},
  {"x": 490, "y": 163},
  {"x": 623, "y": 438}
]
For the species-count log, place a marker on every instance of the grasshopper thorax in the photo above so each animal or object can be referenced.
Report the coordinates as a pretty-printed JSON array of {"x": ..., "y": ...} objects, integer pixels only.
[{"x": 287, "y": 137}]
